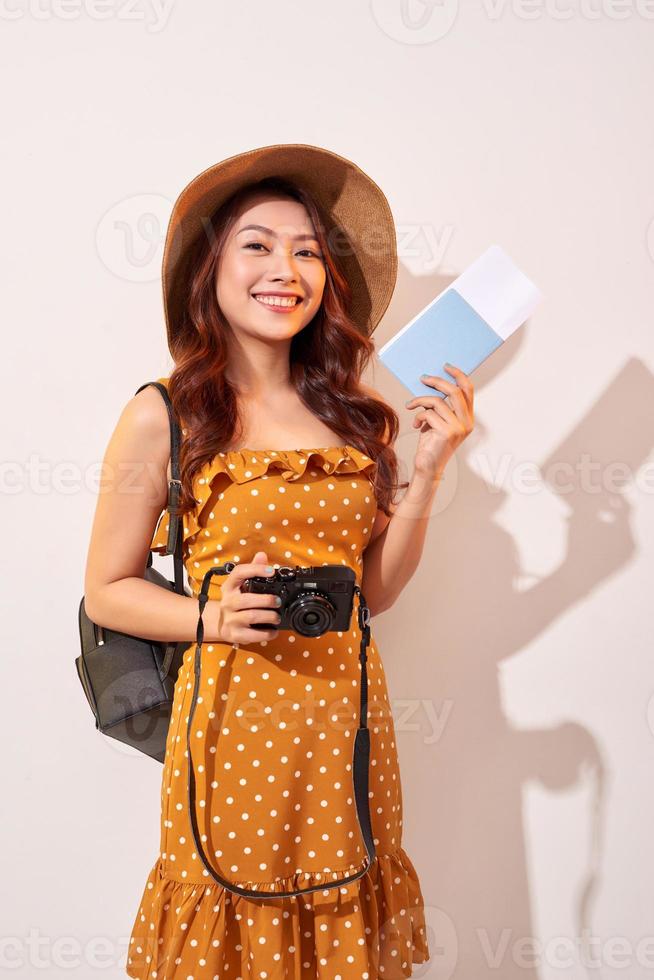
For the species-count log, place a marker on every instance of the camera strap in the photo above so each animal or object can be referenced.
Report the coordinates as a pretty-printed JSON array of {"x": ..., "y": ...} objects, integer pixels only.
[{"x": 360, "y": 761}]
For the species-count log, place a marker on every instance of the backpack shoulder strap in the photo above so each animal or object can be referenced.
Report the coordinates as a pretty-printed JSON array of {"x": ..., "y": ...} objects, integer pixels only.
[{"x": 175, "y": 527}]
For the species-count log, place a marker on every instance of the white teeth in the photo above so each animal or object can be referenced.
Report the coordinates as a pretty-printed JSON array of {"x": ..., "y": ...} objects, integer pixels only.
[{"x": 277, "y": 300}]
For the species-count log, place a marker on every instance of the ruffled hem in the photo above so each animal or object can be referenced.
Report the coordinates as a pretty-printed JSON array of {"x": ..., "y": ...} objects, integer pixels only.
[
  {"x": 370, "y": 929},
  {"x": 243, "y": 465}
]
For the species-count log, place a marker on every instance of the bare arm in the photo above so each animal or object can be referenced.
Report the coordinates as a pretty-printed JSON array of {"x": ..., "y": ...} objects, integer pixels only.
[
  {"x": 393, "y": 554},
  {"x": 396, "y": 542},
  {"x": 133, "y": 493}
]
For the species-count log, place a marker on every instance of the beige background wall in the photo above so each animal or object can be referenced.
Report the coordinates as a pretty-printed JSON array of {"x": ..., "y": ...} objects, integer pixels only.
[{"x": 519, "y": 658}]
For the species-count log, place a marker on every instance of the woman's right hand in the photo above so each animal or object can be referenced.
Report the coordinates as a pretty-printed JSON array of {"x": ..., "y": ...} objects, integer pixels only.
[{"x": 236, "y": 609}]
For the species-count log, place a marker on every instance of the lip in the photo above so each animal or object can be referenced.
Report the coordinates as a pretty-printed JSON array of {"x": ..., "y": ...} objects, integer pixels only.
[
  {"x": 276, "y": 292},
  {"x": 278, "y": 309}
]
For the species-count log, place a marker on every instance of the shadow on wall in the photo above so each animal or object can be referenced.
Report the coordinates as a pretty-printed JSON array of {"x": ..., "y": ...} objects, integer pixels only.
[{"x": 467, "y": 616}]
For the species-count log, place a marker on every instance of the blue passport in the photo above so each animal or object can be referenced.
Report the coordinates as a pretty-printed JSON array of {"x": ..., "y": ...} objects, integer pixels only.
[{"x": 464, "y": 324}]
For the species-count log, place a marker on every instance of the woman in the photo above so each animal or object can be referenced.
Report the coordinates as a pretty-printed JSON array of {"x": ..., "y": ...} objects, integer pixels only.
[{"x": 272, "y": 287}]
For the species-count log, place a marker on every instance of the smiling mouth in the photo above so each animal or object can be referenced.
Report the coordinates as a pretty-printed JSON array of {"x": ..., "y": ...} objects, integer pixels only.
[{"x": 277, "y": 302}]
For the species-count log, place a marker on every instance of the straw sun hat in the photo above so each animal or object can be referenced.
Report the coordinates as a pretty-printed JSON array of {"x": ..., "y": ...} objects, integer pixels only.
[{"x": 357, "y": 216}]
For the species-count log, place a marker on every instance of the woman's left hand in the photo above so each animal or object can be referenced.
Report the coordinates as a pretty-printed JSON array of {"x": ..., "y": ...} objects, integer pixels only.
[{"x": 444, "y": 427}]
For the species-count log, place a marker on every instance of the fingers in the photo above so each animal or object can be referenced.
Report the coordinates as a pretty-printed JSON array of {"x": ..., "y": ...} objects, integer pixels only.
[
  {"x": 437, "y": 406},
  {"x": 462, "y": 379},
  {"x": 435, "y": 382},
  {"x": 432, "y": 420},
  {"x": 249, "y": 608},
  {"x": 459, "y": 396},
  {"x": 255, "y": 600},
  {"x": 269, "y": 616},
  {"x": 461, "y": 390},
  {"x": 249, "y": 616},
  {"x": 257, "y": 636},
  {"x": 245, "y": 570}
]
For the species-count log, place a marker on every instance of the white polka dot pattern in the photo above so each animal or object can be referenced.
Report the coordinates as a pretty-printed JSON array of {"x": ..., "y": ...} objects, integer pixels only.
[{"x": 273, "y": 736}]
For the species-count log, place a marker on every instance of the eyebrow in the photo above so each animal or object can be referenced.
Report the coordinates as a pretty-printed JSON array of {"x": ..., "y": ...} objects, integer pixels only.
[{"x": 269, "y": 231}]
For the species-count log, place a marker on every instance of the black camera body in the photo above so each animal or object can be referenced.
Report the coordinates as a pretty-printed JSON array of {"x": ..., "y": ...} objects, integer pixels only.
[{"x": 315, "y": 600}]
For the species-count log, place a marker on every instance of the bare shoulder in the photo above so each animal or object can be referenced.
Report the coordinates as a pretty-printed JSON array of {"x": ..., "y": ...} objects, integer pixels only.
[
  {"x": 147, "y": 413},
  {"x": 133, "y": 491},
  {"x": 143, "y": 430}
]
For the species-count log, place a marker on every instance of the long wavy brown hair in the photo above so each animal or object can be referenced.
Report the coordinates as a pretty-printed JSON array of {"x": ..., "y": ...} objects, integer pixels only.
[{"x": 327, "y": 359}]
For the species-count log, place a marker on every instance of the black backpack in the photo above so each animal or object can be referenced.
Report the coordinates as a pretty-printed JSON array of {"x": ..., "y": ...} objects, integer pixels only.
[{"x": 130, "y": 681}]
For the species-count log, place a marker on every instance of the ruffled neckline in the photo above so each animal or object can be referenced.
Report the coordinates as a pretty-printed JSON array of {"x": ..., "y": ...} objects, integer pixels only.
[
  {"x": 240, "y": 466},
  {"x": 311, "y": 449}
]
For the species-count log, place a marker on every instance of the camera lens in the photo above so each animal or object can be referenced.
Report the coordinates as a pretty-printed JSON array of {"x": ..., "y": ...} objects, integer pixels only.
[{"x": 311, "y": 614}]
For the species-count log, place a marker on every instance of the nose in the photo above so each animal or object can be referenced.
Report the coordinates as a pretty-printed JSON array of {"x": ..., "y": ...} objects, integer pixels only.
[{"x": 282, "y": 266}]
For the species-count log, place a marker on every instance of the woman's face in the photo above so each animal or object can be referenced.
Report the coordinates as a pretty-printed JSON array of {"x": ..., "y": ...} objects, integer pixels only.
[{"x": 282, "y": 255}]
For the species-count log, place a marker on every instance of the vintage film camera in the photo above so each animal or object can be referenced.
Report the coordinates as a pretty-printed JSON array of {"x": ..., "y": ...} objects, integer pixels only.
[{"x": 315, "y": 600}]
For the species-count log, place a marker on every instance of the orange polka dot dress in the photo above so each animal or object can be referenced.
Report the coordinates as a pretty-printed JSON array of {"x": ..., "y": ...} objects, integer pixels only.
[{"x": 272, "y": 742}]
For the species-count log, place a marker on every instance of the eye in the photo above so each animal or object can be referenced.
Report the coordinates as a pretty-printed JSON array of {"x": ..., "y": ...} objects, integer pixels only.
[{"x": 310, "y": 251}]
